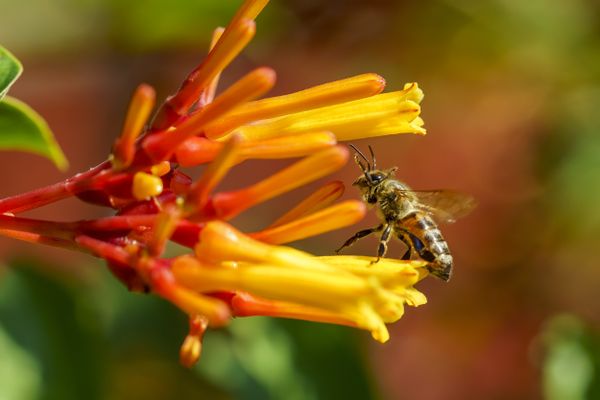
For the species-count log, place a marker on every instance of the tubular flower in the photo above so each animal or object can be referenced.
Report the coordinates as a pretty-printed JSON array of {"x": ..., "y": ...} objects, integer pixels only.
[{"x": 228, "y": 273}]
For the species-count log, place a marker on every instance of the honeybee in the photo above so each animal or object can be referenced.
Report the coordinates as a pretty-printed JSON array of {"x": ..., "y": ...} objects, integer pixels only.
[{"x": 409, "y": 215}]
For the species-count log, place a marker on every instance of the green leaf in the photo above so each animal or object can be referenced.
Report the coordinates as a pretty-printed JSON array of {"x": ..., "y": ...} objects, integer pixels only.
[
  {"x": 21, "y": 128},
  {"x": 10, "y": 69}
]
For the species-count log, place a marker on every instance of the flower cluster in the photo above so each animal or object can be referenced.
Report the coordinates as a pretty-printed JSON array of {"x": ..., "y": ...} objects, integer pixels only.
[{"x": 229, "y": 273}]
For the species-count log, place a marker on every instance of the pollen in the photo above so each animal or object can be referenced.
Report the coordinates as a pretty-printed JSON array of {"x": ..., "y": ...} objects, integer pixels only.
[{"x": 146, "y": 185}]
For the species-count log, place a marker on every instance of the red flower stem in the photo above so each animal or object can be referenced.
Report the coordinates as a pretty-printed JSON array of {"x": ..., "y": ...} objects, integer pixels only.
[
  {"x": 116, "y": 223},
  {"x": 49, "y": 194},
  {"x": 57, "y": 230},
  {"x": 107, "y": 251},
  {"x": 186, "y": 233},
  {"x": 41, "y": 239}
]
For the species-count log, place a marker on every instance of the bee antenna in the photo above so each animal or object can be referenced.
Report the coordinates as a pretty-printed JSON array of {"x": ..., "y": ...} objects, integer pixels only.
[
  {"x": 363, "y": 157},
  {"x": 373, "y": 157}
]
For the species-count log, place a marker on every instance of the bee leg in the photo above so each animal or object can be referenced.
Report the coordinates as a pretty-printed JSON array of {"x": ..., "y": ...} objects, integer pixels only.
[
  {"x": 359, "y": 235},
  {"x": 409, "y": 248},
  {"x": 383, "y": 241}
]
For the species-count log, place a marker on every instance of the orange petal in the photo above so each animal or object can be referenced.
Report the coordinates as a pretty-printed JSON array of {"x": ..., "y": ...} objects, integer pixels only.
[
  {"x": 212, "y": 176},
  {"x": 245, "y": 305},
  {"x": 161, "y": 146},
  {"x": 199, "y": 150},
  {"x": 163, "y": 228},
  {"x": 229, "y": 204},
  {"x": 329, "y": 219},
  {"x": 208, "y": 94},
  {"x": 318, "y": 200},
  {"x": 216, "y": 311},
  {"x": 231, "y": 43},
  {"x": 138, "y": 113}
]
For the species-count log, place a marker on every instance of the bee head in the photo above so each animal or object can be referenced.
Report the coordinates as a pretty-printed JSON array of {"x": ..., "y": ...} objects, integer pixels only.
[{"x": 371, "y": 177}]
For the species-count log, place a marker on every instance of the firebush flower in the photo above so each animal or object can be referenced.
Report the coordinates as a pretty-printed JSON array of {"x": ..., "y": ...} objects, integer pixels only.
[{"x": 228, "y": 273}]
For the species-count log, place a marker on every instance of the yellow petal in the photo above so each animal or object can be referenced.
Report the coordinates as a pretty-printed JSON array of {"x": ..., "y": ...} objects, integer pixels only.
[
  {"x": 348, "y": 120},
  {"x": 330, "y": 93}
]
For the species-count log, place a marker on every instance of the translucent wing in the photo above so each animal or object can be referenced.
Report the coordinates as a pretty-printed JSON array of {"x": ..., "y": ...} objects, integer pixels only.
[{"x": 444, "y": 205}]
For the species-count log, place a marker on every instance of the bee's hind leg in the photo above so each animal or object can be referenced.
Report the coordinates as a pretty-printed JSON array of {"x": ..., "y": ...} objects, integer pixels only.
[
  {"x": 409, "y": 247},
  {"x": 359, "y": 235},
  {"x": 383, "y": 241},
  {"x": 407, "y": 255}
]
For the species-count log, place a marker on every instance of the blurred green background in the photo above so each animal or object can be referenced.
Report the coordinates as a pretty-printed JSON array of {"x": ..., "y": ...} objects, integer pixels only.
[{"x": 512, "y": 96}]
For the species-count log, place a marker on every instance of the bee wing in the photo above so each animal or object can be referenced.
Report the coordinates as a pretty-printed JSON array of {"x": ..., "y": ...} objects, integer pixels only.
[{"x": 444, "y": 205}]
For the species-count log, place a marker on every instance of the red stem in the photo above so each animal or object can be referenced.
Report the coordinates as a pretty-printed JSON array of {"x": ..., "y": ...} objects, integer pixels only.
[{"x": 49, "y": 194}]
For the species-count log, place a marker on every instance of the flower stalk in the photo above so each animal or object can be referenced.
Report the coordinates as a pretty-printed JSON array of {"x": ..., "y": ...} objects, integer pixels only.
[{"x": 227, "y": 272}]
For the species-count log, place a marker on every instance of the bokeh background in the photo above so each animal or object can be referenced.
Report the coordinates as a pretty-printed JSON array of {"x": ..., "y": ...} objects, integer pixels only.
[{"x": 512, "y": 110}]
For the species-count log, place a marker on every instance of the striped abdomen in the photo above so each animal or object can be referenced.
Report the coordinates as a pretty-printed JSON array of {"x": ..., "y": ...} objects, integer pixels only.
[{"x": 421, "y": 233}]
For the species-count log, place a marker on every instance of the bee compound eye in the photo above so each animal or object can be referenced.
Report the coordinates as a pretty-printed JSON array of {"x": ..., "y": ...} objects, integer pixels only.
[{"x": 376, "y": 177}]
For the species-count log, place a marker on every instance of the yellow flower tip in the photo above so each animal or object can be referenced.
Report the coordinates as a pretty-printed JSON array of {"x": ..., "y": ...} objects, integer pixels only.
[
  {"x": 229, "y": 204},
  {"x": 249, "y": 10},
  {"x": 191, "y": 349},
  {"x": 328, "y": 219},
  {"x": 414, "y": 92},
  {"x": 381, "y": 334},
  {"x": 161, "y": 168},
  {"x": 146, "y": 185},
  {"x": 414, "y": 298}
]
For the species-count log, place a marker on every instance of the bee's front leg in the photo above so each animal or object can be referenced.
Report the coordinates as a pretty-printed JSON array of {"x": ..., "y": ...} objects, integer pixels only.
[
  {"x": 383, "y": 241},
  {"x": 359, "y": 235}
]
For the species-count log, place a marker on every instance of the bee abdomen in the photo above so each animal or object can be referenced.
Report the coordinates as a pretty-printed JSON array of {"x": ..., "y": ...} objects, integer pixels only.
[{"x": 430, "y": 244}]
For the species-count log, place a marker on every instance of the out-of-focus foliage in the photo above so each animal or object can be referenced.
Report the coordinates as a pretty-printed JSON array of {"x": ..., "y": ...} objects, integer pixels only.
[
  {"x": 10, "y": 69},
  {"x": 21, "y": 128},
  {"x": 571, "y": 361},
  {"x": 60, "y": 341}
]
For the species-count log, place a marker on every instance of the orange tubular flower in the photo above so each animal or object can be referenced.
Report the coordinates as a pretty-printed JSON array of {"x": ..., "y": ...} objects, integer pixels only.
[{"x": 230, "y": 273}]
